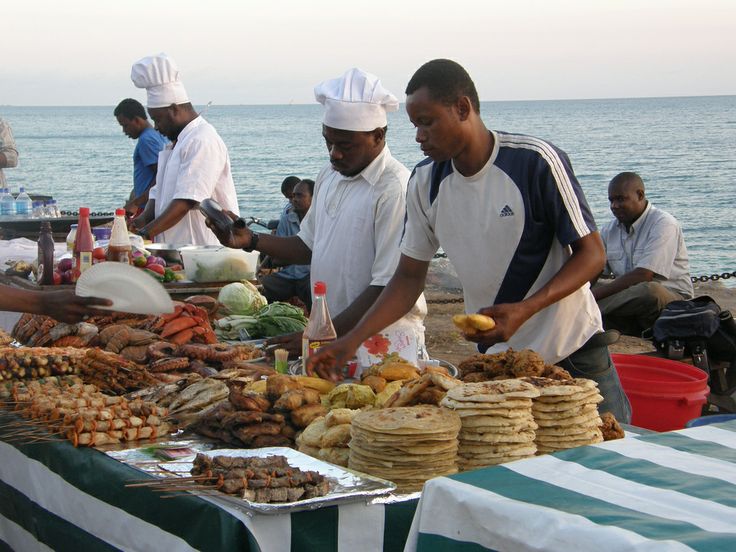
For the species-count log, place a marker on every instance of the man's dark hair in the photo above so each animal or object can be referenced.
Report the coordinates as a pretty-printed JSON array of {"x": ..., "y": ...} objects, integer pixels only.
[
  {"x": 446, "y": 81},
  {"x": 287, "y": 186},
  {"x": 310, "y": 184},
  {"x": 130, "y": 109},
  {"x": 626, "y": 178}
]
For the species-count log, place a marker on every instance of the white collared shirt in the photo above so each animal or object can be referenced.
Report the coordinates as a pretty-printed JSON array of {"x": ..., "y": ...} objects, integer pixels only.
[
  {"x": 654, "y": 242},
  {"x": 353, "y": 229},
  {"x": 196, "y": 167}
]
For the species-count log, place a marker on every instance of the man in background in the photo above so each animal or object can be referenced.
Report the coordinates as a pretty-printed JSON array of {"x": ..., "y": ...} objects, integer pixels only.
[
  {"x": 131, "y": 116},
  {"x": 292, "y": 280},
  {"x": 287, "y": 188},
  {"x": 646, "y": 255},
  {"x": 193, "y": 167},
  {"x": 8, "y": 151}
]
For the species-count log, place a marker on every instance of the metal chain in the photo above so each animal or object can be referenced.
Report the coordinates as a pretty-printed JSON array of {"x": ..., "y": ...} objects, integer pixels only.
[{"x": 714, "y": 277}]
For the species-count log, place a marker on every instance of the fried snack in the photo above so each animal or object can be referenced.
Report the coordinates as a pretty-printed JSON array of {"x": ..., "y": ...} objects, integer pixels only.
[
  {"x": 377, "y": 383},
  {"x": 387, "y": 393},
  {"x": 336, "y": 436},
  {"x": 340, "y": 416},
  {"x": 611, "y": 429},
  {"x": 312, "y": 434},
  {"x": 351, "y": 395},
  {"x": 471, "y": 324},
  {"x": 302, "y": 417},
  {"x": 318, "y": 384},
  {"x": 279, "y": 384},
  {"x": 398, "y": 371}
]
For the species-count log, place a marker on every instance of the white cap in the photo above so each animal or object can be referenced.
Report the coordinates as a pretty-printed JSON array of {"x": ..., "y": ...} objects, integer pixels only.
[
  {"x": 159, "y": 75},
  {"x": 356, "y": 101}
]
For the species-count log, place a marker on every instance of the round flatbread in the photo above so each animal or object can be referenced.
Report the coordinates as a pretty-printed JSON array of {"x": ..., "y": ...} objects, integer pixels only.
[
  {"x": 477, "y": 447},
  {"x": 531, "y": 426},
  {"x": 573, "y": 397},
  {"x": 518, "y": 452},
  {"x": 339, "y": 416},
  {"x": 554, "y": 440},
  {"x": 569, "y": 430},
  {"x": 422, "y": 419},
  {"x": 519, "y": 437},
  {"x": 582, "y": 410},
  {"x": 558, "y": 406},
  {"x": 492, "y": 391},
  {"x": 499, "y": 421},
  {"x": 590, "y": 420},
  {"x": 551, "y": 387},
  {"x": 508, "y": 404}
]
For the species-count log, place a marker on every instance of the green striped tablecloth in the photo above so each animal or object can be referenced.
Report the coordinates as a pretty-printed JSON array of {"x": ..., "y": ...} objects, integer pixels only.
[
  {"x": 666, "y": 491},
  {"x": 53, "y": 496}
]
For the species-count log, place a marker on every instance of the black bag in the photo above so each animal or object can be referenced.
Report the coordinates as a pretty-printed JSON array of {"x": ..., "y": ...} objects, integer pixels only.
[{"x": 701, "y": 329}]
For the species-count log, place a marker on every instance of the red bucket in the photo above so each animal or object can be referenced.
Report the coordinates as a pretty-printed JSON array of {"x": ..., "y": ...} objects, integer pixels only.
[{"x": 664, "y": 394}]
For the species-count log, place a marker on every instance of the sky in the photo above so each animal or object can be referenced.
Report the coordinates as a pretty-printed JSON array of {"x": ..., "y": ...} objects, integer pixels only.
[{"x": 79, "y": 52}]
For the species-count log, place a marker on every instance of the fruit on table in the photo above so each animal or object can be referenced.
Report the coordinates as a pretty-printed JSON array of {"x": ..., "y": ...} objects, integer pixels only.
[
  {"x": 57, "y": 278},
  {"x": 64, "y": 265},
  {"x": 98, "y": 253}
]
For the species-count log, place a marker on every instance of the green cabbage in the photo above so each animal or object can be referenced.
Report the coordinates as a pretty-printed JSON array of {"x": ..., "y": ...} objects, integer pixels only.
[{"x": 241, "y": 298}]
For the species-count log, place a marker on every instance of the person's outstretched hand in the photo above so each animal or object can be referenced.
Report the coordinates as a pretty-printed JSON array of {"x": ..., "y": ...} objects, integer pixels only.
[
  {"x": 292, "y": 342},
  {"x": 236, "y": 238},
  {"x": 65, "y": 306},
  {"x": 327, "y": 363}
]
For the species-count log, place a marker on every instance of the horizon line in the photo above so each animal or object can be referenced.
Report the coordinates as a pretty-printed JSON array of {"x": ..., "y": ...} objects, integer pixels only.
[{"x": 402, "y": 103}]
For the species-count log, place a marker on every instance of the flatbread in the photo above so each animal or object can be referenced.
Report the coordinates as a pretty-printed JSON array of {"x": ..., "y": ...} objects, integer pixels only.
[
  {"x": 498, "y": 421},
  {"x": 573, "y": 397},
  {"x": 502, "y": 430},
  {"x": 518, "y": 452},
  {"x": 554, "y": 440},
  {"x": 492, "y": 391},
  {"x": 519, "y": 437},
  {"x": 558, "y": 406},
  {"x": 591, "y": 419},
  {"x": 478, "y": 447},
  {"x": 551, "y": 387},
  {"x": 424, "y": 419},
  {"x": 582, "y": 410},
  {"x": 339, "y": 416},
  {"x": 339, "y": 456},
  {"x": 569, "y": 430},
  {"x": 500, "y": 412},
  {"x": 454, "y": 404}
]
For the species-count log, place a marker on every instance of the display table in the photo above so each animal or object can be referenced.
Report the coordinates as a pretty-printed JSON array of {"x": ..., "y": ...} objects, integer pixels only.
[
  {"x": 665, "y": 491},
  {"x": 53, "y": 496}
]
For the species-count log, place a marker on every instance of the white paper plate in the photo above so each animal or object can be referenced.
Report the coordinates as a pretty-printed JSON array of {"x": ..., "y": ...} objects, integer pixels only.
[{"x": 129, "y": 288}]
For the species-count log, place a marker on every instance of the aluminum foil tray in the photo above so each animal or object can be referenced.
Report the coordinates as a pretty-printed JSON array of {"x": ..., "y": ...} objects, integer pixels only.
[{"x": 345, "y": 485}]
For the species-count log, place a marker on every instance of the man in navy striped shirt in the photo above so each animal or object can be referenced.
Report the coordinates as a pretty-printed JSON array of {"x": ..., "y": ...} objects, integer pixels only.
[{"x": 513, "y": 220}]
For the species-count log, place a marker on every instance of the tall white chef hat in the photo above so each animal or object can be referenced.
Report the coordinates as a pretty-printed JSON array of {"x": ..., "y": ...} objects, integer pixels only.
[
  {"x": 356, "y": 101},
  {"x": 159, "y": 75}
]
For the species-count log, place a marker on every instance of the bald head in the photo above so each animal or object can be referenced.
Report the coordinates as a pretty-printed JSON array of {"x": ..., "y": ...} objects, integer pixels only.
[{"x": 627, "y": 198}]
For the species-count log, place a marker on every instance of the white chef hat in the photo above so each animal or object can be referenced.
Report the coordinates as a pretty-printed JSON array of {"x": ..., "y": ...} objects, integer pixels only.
[
  {"x": 356, "y": 101},
  {"x": 159, "y": 75}
]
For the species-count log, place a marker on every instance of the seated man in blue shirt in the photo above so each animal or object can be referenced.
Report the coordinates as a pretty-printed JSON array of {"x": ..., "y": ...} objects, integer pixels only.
[
  {"x": 132, "y": 117},
  {"x": 293, "y": 279},
  {"x": 645, "y": 253}
]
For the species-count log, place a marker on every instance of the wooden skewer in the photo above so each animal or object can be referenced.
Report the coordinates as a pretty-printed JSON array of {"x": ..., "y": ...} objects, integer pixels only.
[{"x": 165, "y": 482}]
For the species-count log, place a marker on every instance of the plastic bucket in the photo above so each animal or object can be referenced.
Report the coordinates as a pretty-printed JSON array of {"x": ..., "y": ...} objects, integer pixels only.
[
  {"x": 664, "y": 394},
  {"x": 712, "y": 419}
]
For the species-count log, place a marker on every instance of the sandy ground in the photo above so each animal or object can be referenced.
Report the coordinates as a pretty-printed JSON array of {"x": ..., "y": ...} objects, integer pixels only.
[{"x": 446, "y": 343}]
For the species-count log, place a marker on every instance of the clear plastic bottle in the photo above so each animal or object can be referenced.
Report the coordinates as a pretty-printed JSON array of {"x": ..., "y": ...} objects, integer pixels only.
[
  {"x": 70, "y": 237},
  {"x": 46, "y": 255},
  {"x": 84, "y": 243},
  {"x": 23, "y": 204},
  {"x": 35, "y": 211},
  {"x": 319, "y": 330},
  {"x": 7, "y": 203},
  {"x": 119, "y": 248}
]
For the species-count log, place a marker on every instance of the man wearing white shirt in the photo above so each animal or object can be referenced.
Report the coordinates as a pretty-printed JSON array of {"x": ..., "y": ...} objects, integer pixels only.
[
  {"x": 645, "y": 253},
  {"x": 351, "y": 233},
  {"x": 195, "y": 166}
]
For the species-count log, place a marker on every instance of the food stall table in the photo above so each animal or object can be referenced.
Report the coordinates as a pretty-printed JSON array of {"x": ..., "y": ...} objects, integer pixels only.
[
  {"x": 53, "y": 496},
  {"x": 665, "y": 491}
]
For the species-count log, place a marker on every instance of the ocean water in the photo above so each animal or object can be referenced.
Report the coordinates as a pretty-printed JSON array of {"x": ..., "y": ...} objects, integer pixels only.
[{"x": 684, "y": 148}]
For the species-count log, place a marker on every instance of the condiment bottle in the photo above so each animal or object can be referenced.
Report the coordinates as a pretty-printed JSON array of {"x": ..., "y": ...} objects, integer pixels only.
[
  {"x": 84, "y": 243},
  {"x": 319, "y": 330},
  {"x": 45, "y": 255},
  {"x": 119, "y": 248},
  {"x": 70, "y": 237}
]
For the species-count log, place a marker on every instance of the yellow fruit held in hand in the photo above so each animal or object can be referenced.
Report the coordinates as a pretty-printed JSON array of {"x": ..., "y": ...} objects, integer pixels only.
[{"x": 470, "y": 324}]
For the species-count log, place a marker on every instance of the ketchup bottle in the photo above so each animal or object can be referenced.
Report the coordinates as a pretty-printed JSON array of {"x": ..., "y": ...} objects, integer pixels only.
[
  {"x": 319, "y": 330},
  {"x": 84, "y": 243}
]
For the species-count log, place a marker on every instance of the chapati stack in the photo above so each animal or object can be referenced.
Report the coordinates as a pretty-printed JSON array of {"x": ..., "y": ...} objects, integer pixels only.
[
  {"x": 497, "y": 421},
  {"x": 406, "y": 445},
  {"x": 566, "y": 413}
]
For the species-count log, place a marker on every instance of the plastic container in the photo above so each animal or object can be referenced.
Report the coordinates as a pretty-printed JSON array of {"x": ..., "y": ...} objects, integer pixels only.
[
  {"x": 119, "y": 248},
  {"x": 102, "y": 233},
  {"x": 319, "y": 330},
  {"x": 712, "y": 419},
  {"x": 70, "y": 237},
  {"x": 23, "y": 204},
  {"x": 218, "y": 264},
  {"x": 7, "y": 203},
  {"x": 664, "y": 394}
]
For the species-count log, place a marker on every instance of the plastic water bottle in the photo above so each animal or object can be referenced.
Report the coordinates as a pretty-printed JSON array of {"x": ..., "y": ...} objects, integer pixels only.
[
  {"x": 34, "y": 210},
  {"x": 51, "y": 209},
  {"x": 23, "y": 204},
  {"x": 7, "y": 203}
]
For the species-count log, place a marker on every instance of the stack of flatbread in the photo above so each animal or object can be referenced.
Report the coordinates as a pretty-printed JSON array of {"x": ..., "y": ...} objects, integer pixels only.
[
  {"x": 327, "y": 437},
  {"x": 566, "y": 413},
  {"x": 497, "y": 421},
  {"x": 406, "y": 445}
]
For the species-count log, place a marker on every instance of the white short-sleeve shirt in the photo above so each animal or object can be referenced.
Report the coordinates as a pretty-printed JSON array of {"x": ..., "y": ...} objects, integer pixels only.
[
  {"x": 507, "y": 231},
  {"x": 353, "y": 229},
  {"x": 654, "y": 242},
  {"x": 196, "y": 167}
]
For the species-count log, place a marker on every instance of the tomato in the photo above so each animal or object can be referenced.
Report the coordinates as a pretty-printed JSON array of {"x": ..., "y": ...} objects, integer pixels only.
[
  {"x": 157, "y": 268},
  {"x": 57, "y": 278},
  {"x": 98, "y": 253}
]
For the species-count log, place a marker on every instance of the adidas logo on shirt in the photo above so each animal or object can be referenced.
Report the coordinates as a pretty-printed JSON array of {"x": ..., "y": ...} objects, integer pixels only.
[{"x": 506, "y": 212}]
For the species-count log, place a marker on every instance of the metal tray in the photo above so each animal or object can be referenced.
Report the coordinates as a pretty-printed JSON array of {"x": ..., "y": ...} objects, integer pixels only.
[{"x": 345, "y": 485}]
